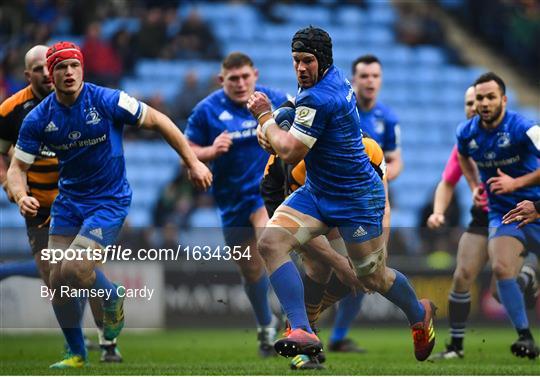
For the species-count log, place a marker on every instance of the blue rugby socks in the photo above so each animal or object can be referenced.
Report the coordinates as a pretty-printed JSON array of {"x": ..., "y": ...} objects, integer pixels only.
[
  {"x": 69, "y": 317},
  {"x": 402, "y": 294},
  {"x": 348, "y": 309},
  {"x": 289, "y": 289},
  {"x": 26, "y": 268},
  {"x": 258, "y": 296},
  {"x": 102, "y": 282},
  {"x": 512, "y": 299}
]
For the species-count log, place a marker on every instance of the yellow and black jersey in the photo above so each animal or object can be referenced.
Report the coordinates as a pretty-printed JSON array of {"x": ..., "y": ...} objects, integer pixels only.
[
  {"x": 43, "y": 174},
  {"x": 281, "y": 179}
]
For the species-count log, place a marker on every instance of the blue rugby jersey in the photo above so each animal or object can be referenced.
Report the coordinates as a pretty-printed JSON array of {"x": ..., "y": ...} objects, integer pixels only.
[
  {"x": 382, "y": 125},
  {"x": 514, "y": 147},
  {"x": 328, "y": 122},
  {"x": 87, "y": 139},
  {"x": 237, "y": 173}
]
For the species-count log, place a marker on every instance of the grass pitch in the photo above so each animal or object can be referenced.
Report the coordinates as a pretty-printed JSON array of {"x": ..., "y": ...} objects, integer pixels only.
[{"x": 233, "y": 352}]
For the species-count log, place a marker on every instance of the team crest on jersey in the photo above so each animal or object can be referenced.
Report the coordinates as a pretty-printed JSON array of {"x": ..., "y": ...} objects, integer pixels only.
[
  {"x": 249, "y": 124},
  {"x": 304, "y": 116},
  {"x": 92, "y": 116},
  {"x": 503, "y": 140},
  {"x": 51, "y": 127},
  {"x": 225, "y": 115},
  {"x": 74, "y": 135}
]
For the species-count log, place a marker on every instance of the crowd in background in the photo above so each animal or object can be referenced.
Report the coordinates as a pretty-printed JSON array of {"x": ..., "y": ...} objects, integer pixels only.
[{"x": 510, "y": 27}]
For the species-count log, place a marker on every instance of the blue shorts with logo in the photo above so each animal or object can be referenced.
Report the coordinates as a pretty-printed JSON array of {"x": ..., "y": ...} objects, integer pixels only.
[
  {"x": 358, "y": 218},
  {"x": 237, "y": 229},
  {"x": 528, "y": 235},
  {"x": 100, "y": 221}
]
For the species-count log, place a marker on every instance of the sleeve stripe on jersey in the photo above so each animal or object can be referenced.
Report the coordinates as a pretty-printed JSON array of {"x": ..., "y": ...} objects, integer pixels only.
[
  {"x": 128, "y": 103},
  {"x": 144, "y": 108},
  {"x": 397, "y": 132},
  {"x": 24, "y": 156},
  {"x": 534, "y": 134},
  {"x": 4, "y": 145},
  {"x": 306, "y": 139}
]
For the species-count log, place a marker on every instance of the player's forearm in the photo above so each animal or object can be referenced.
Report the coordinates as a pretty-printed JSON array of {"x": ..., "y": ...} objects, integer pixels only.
[
  {"x": 394, "y": 166},
  {"x": 443, "y": 197},
  {"x": 531, "y": 179},
  {"x": 16, "y": 179},
  {"x": 322, "y": 250},
  {"x": 205, "y": 154},
  {"x": 283, "y": 144},
  {"x": 3, "y": 170},
  {"x": 469, "y": 171}
]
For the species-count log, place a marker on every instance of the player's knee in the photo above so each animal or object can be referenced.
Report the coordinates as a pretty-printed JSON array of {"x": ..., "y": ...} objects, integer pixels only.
[
  {"x": 44, "y": 271},
  {"x": 378, "y": 281},
  {"x": 76, "y": 274},
  {"x": 371, "y": 264},
  {"x": 501, "y": 270},
  {"x": 266, "y": 246},
  {"x": 463, "y": 276}
]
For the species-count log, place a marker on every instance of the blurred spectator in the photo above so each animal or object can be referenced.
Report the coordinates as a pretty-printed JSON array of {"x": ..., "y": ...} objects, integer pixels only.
[
  {"x": 268, "y": 9},
  {"x": 169, "y": 236},
  {"x": 195, "y": 40},
  {"x": 152, "y": 36},
  {"x": 510, "y": 27},
  {"x": 157, "y": 102},
  {"x": 205, "y": 213},
  {"x": 176, "y": 202},
  {"x": 13, "y": 69},
  {"x": 122, "y": 43},
  {"x": 102, "y": 64},
  {"x": 12, "y": 21},
  {"x": 134, "y": 238},
  {"x": 4, "y": 88},
  {"x": 42, "y": 11},
  {"x": 191, "y": 93},
  {"x": 416, "y": 26},
  {"x": 524, "y": 33}
]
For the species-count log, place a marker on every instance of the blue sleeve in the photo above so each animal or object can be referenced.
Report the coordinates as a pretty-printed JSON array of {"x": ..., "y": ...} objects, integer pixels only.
[
  {"x": 197, "y": 128},
  {"x": 30, "y": 137},
  {"x": 461, "y": 141},
  {"x": 531, "y": 137},
  {"x": 311, "y": 116},
  {"x": 125, "y": 109},
  {"x": 392, "y": 133}
]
